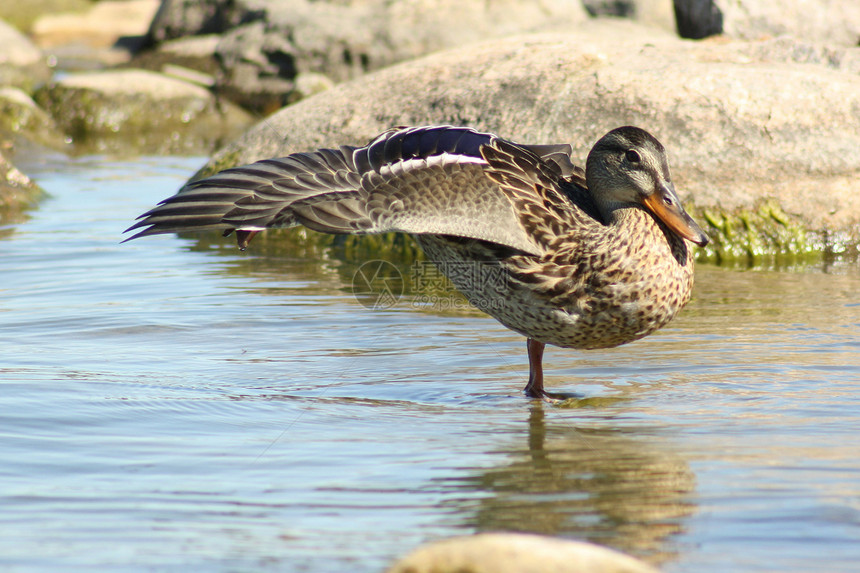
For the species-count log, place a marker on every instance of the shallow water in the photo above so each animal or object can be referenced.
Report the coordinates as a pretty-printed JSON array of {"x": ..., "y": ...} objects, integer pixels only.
[{"x": 168, "y": 403}]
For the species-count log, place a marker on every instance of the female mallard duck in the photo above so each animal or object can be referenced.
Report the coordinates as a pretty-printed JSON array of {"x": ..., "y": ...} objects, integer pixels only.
[{"x": 577, "y": 259}]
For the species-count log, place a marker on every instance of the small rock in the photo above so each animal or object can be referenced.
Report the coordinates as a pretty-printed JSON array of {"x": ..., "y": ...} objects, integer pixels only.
[
  {"x": 138, "y": 108},
  {"x": 309, "y": 83},
  {"x": 105, "y": 23},
  {"x": 20, "y": 116},
  {"x": 192, "y": 47},
  {"x": 188, "y": 75},
  {"x": 22, "y": 64},
  {"x": 194, "y": 53},
  {"x": 17, "y": 109},
  {"x": 180, "y": 18},
  {"x": 516, "y": 553}
]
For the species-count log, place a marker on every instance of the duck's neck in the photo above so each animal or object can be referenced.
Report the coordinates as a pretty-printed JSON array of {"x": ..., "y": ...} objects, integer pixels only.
[
  {"x": 637, "y": 229},
  {"x": 625, "y": 215}
]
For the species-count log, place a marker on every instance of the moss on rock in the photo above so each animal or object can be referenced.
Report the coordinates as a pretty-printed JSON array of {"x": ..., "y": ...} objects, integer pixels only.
[
  {"x": 20, "y": 116},
  {"x": 138, "y": 109},
  {"x": 765, "y": 232}
]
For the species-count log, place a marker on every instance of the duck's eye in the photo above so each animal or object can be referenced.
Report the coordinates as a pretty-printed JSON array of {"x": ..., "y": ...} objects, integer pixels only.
[{"x": 632, "y": 156}]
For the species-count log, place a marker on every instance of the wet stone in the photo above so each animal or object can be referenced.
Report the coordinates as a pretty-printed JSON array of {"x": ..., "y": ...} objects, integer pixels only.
[{"x": 130, "y": 103}]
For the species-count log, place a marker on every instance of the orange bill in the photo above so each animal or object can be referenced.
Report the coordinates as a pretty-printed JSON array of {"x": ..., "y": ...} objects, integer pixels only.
[{"x": 666, "y": 206}]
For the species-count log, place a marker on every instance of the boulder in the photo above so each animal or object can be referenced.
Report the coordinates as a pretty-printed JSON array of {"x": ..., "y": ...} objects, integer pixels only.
[
  {"x": 138, "y": 110},
  {"x": 765, "y": 149},
  {"x": 22, "y": 64},
  {"x": 516, "y": 553},
  {"x": 831, "y": 21}
]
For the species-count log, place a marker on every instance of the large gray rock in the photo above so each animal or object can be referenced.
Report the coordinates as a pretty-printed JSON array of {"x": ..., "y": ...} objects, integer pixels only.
[
  {"x": 22, "y": 64},
  {"x": 516, "y": 553},
  {"x": 138, "y": 110},
  {"x": 832, "y": 21},
  {"x": 267, "y": 43},
  {"x": 769, "y": 151}
]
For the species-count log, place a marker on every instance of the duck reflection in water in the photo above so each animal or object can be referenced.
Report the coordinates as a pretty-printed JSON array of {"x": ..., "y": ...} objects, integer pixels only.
[{"x": 610, "y": 486}]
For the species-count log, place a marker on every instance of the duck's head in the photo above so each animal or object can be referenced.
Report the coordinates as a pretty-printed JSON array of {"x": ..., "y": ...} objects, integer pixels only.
[{"x": 627, "y": 167}]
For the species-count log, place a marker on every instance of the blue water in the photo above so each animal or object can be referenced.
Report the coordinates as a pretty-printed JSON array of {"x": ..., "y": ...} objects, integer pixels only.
[{"x": 168, "y": 403}]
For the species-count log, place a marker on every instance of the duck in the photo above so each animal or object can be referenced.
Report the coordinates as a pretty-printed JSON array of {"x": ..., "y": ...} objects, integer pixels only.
[{"x": 576, "y": 258}]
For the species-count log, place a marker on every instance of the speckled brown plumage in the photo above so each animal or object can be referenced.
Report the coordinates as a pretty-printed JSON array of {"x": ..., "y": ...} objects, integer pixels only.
[{"x": 579, "y": 259}]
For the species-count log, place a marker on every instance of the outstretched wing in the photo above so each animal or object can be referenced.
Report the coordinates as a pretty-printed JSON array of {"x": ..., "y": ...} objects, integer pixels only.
[
  {"x": 252, "y": 197},
  {"x": 549, "y": 206},
  {"x": 426, "y": 180}
]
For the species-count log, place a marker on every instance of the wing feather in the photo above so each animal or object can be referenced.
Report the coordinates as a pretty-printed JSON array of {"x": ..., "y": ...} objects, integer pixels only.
[{"x": 422, "y": 180}]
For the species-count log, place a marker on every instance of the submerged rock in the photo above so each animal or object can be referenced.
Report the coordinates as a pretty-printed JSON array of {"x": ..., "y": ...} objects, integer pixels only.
[
  {"x": 743, "y": 132},
  {"x": 516, "y": 553},
  {"x": 138, "y": 109}
]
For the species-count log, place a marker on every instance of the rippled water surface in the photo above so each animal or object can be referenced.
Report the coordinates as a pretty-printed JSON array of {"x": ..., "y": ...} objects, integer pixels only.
[{"x": 169, "y": 403}]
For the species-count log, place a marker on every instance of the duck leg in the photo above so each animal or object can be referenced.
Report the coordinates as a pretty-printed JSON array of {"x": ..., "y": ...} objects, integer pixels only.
[{"x": 534, "y": 389}]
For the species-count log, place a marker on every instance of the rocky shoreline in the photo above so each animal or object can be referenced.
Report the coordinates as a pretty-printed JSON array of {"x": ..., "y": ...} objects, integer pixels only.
[{"x": 761, "y": 118}]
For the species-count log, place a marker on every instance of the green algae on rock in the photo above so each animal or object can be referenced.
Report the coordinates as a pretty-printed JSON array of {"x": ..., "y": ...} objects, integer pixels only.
[
  {"x": 767, "y": 233},
  {"x": 21, "y": 117}
]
